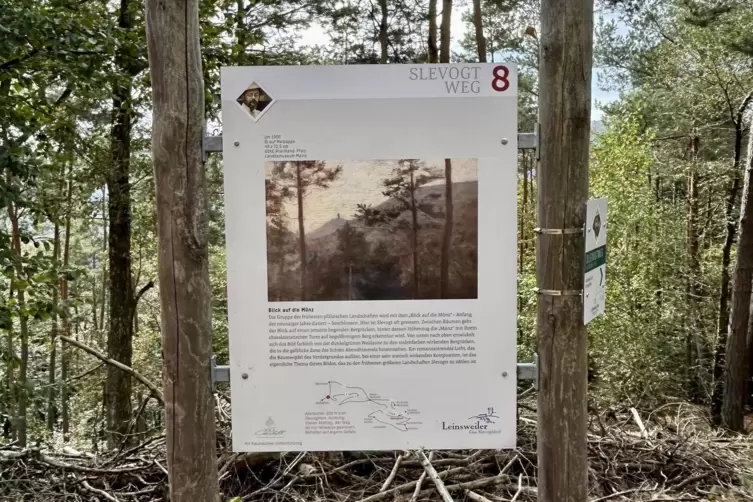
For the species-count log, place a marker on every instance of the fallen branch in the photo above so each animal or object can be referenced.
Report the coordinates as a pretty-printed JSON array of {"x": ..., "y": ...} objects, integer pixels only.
[
  {"x": 392, "y": 475},
  {"x": 409, "y": 486},
  {"x": 434, "y": 477},
  {"x": 112, "y": 362},
  {"x": 99, "y": 492},
  {"x": 520, "y": 488},
  {"x": 639, "y": 422},
  {"x": 618, "y": 494},
  {"x": 475, "y": 496},
  {"x": 421, "y": 480}
]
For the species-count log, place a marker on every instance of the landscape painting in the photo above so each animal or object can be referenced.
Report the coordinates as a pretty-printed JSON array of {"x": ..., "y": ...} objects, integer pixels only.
[{"x": 402, "y": 229}]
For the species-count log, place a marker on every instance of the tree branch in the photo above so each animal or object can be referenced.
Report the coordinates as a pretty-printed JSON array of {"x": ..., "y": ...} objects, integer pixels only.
[
  {"x": 149, "y": 285},
  {"x": 112, "y": 362}
]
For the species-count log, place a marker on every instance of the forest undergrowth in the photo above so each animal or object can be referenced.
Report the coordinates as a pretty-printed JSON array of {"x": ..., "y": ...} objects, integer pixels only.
[{"x": 669, "y": 453}]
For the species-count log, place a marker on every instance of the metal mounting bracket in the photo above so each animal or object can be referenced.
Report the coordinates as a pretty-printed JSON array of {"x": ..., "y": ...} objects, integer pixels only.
[
  {"x": 211, "y": 144},
  {"x": 219, "y": 373},
  {"x": 530, "y": 140},
  {"x": 530, "y": 371}
]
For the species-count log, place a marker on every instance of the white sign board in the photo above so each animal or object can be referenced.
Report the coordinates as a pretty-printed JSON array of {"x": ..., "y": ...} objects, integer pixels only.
[
  {"x": 595, "y": 285},
  {"x": 359, "y": 319}
]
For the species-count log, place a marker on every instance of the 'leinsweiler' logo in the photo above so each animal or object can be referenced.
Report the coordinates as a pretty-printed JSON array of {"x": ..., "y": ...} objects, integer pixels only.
[
  {"x": 270, "y": 430},
  {"x": 479, "y": 423}
]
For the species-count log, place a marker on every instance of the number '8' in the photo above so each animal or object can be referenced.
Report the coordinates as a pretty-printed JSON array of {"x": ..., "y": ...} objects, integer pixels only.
[{"x": 500, "y": 82}]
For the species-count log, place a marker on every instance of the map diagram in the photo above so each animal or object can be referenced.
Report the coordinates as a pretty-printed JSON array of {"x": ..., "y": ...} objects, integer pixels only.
[{"x": 379, "y": 409}]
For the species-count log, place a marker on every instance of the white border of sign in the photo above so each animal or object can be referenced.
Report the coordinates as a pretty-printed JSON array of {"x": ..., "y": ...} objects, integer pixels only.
[{"x": 364, "y": 112}]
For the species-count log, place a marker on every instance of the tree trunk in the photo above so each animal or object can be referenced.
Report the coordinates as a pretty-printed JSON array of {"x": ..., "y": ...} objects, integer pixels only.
[
  {"x": 479, "y": 26},
  {"x": 105, "y": 224},
  {"x": 120, "y": 334},
  {"x": 433, "y": 49},
  {"x": 185, "y": 292},
  {"x": 414, "y": 230},
  {"x": 565, "y": 111},
  {"x": 20, "y": 422},
  {"x": 444, "y": 32},
  {"x": 65, "y": 354},
  {"x": 51, "y": 409},
  {"x": 383, "y": 35},
  {"x": 694, "y": 335},
  {"x": 301, "y": 234},
  {"x": 736, "y": 371},
  {"x": 11, "y": 407},
  {"x": 723, "y": 321}
]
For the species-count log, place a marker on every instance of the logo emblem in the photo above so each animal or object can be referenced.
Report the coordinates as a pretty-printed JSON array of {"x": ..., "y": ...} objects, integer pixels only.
[
  {"x": 485, "y": 417},
  {"x": 596, "y": 226}
]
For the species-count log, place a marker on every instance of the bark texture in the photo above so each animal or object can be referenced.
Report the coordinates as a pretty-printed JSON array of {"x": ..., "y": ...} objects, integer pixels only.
[
  {"x": 20, "y": 422},
  {"x": 479, "y": 28},
  {"x": 565, "y": 110},
  {"x": 444, "y": 32},
  {"x": 64, "y": 353},
  {"x": 120, "y": 334},
  {"x": 383, "y": 35},
  {"x": 51, "y": 407},
  {"x": 185, "y": 293},
  {"x": 724, "y": 294},
  {"x": 736, "y": 370},
  {"x": 433, "y": 48},
  {"x": 695, "y": 343}
]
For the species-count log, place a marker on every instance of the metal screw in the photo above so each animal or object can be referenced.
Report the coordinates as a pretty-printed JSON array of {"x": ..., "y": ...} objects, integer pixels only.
[
  {"x": 504, "y": 141},
  {"x": 244, "y": 376},
  {"x": 504, "y": 374},
  {"x": 237, "y": 143}
]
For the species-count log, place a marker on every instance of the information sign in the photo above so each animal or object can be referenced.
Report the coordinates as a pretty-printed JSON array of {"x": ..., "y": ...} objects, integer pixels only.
[
  {"x": 371, "y": 255},
  {"x": 595, "y": 284}
]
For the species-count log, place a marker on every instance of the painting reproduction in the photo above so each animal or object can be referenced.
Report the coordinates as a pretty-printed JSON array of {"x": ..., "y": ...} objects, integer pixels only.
[{"x": 402, "y": 229}]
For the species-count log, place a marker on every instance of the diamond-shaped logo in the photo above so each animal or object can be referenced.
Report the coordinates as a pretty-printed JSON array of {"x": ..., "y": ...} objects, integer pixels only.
[
  {"x": 596, "y": 224},
  {"x": 255, "y": 101}
]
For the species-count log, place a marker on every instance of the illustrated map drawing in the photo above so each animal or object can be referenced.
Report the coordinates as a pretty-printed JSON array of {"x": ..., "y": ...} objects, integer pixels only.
[{"x": 382, "y": 410}]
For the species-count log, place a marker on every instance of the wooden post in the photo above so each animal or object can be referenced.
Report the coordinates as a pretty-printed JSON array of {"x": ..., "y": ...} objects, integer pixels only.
[
  {"x": 178, "y": 119},
  {"x": 565, "y": 118}
]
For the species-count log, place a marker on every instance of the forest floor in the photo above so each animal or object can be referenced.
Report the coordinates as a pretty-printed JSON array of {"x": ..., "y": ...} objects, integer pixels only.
[{"x": 669, "y": 454}]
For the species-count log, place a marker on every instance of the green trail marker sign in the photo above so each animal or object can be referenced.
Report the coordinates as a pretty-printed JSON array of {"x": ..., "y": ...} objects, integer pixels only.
[{"x": 595, "y": 284}]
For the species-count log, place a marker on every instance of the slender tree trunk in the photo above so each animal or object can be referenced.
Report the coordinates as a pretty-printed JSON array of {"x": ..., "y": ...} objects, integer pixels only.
[
  {"x": 11, "y": 374},
  {"x": 564, "y": 113},
  {"x": 383, "y": 35},
  {"x": 20, "y": 424},
  {"x": 479, "y": 26},
  {"x": 433, "y": 48},
  {"x": 120, "y": 334},
  {"x": 414, "y": 230},
  {"x": 444, "y": 32},
  {"x": 105, "y": 224},
  {"x": 51, "y": 408},
  {"x": 736, "y": 371},
  {"x": 301, "y": 234},
  {"x": 65, "y": 354},
  {"x": 95, "y": 321},
  {"x": 695, "y": 350},
  {"x": 750, "y": 357},
  {"x": 183, "y": 261},
  {"x": 723, "y": 321}
]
